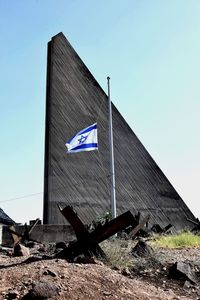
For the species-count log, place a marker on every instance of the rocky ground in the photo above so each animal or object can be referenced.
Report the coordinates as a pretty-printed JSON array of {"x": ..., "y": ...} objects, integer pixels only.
[{"x": 39, "y": 275}]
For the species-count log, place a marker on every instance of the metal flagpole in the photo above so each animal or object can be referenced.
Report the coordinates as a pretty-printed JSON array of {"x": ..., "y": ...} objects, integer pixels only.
[{"x": 112, "y": 168}]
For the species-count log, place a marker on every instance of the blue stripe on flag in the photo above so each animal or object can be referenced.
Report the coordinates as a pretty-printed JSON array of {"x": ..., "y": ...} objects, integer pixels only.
[
  {"x": 90, "y": 128},
  {"x": 85, "y": 146}
]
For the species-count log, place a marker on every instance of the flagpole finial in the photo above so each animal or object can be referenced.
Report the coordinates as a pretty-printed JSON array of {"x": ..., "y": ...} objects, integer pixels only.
[{"x": 108, "y": 78}]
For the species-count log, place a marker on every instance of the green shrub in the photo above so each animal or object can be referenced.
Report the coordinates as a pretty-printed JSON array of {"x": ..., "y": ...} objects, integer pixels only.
[{"x": 181, "y": 240}]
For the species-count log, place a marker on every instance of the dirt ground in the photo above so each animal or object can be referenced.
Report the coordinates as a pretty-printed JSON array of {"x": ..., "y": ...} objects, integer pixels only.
[{"x": 145, "y": 281}]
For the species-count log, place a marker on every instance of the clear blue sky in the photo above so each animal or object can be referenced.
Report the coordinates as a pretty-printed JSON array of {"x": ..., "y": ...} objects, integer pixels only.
[{"x": 151, "y": 51}]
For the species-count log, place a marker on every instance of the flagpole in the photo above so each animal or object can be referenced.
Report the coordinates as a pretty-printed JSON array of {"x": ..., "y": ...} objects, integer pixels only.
[{"x": 112, "y": 167}]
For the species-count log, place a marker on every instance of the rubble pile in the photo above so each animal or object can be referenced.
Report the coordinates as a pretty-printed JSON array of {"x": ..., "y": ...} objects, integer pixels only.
[{"x": 33, "y": 270}]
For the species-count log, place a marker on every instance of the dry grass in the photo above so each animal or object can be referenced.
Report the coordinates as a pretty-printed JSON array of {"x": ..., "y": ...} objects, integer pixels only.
[
  {"x": 118, "y": 253},
  {"x": 119, "y": 256}
]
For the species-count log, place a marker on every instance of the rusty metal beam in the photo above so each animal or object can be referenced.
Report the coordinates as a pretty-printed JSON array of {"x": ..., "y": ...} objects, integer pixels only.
[
  {"x": 98, "y": 235},
  {"x": 74, "y": 221},
  {"x": 81, "y": 232},
  {"x": 33, "y": 226},
  {"x": 18, "y": 237},
  {"x": 166, "y": 228},
  {"x": 15, "y": 235},
  {"x": 112, "y": 227},
  {"x": 139, "y": 226}
]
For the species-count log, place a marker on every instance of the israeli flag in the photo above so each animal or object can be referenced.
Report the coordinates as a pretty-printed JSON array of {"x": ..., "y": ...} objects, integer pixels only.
[{"x": 85, "y": 140}]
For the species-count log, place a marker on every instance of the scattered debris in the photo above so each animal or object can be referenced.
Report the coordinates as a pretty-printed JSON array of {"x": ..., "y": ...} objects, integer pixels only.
[
  {"x": 86, "y": 250},
  {"x": 88, "y": 278}
]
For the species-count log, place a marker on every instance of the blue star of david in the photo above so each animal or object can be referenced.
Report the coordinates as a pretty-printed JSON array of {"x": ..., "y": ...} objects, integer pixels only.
[{"x": 82, "y": 139}]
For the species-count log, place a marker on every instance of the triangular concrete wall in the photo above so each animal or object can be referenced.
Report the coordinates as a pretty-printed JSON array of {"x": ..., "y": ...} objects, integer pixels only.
[{"x": 74, "y": 101}]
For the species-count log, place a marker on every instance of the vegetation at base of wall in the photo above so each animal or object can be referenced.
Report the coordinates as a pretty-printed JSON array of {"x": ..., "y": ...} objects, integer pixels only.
[
  {"x": 118, "y": 253},
  {"x": 100, "y": 221},
  {"x": 118, "y": 250},
  {"x": 180, "y": 240}
]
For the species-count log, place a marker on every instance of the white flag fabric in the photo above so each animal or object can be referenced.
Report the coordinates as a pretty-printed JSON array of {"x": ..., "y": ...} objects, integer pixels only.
[{"x": 85, "y": 140}]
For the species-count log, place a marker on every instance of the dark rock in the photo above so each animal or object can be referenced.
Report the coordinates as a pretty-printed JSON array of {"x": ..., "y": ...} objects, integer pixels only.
[
  {"x": 42, "y": 290},
  {"x": 187, "y": 284},
  {"x": 33, "y": 258},
  {"x": 81, "y": 259},
  {"x": 6, "y": 251},
  {"x": 141, "y": 249},
  {"x": 156, "y": 228},
  {"x": 47, "y": 256},
  {"x": 51, "y": 273},
  {"x": 61, "y": 245},
  {"x": 12, "y": 295},
  {"x": 166, "y": 229},
  {"x": 182, "y": 271},
  {"x": 126, "y": 272},
  {"x": 58, "y": 250},
  {"x": 21, "y": 250},
  {"x": 42, "y": 249},
  {"x": 31, "y": 244},
  {"x": 105, "y": 293},
  {"x": 143, "y": 233}
]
